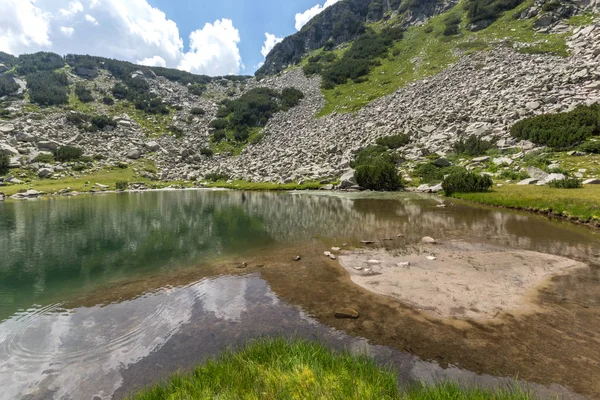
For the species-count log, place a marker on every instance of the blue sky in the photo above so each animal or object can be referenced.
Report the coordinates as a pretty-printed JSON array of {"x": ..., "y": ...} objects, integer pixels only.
[{"x": 218, "y": 37}]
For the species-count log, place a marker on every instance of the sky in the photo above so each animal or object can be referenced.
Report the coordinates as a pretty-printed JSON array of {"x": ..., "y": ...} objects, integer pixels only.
[{"x": 212, "y": 37}]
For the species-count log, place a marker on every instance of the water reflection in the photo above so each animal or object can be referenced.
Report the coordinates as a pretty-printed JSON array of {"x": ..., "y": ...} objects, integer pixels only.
[
  {"x": 98, "y": 352},
  {"x": 54, "y": 248}
]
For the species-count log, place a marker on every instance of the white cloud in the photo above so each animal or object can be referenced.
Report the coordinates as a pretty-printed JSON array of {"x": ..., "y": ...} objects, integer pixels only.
[
  {"x": 74, "y": 8},
  {"x": 23, "y": 25},
  {"x": 131, "y": 30},
  {"x": 214, "y": 50},
  {"x": 67, "y": 31},
  {"x": 156, "y": 61},
  {"x": 91, "y": 19},
  {"x": 303, "y": 17},
  {"x": 270, "y": 42}
]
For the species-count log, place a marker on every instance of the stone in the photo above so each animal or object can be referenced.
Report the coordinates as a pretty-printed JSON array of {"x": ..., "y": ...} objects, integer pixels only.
[
  {"x": 543, "y": 21},
  {"x": 327, "y": 253},
  {"x": 428, "y": 128},
  {"x": 48, "y": 145},
  {"x": 554, "y": 177},
  {"x": 436, "y": 188},
  {"x": 537, "y": 173},
  {"x": 533, "y": 105},
  {"x": 332, "y": 256},
  {"x": 134, "y": 154},
  {"x": 428, "y": 239},
  {"x": 592, "y": 181},
  {"x": 367, "y": 241},
  {"x": 403, "y": 264},
  {"x": 442, "y": 162},
  {"x": 242, "y": 265},
  {"x": 335, "y": 249},
  {"x": 297, "y": 258},
  {"x": 348, "y": 313},
  {"x": 576, "y": 153},
  {"x": 45, "y": 173},
  {"x": 26, "y": 137},
  {"x": 6, "y": 150},
  {"x": 101, "y": 186},
  {"x": 373, "y": 262},
  {"x": 152, "y": 146},
  {"x": 528, "y": 181},
  {"x": 7, "y": 128},
  {"x": 482, "y": 159},
  {"x": 503, "y": 161},
  {"x": 347, "y": 180},
  {"x": 431, "y": 258}
]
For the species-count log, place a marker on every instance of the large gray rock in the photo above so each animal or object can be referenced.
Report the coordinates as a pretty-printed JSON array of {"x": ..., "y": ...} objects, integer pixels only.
[
  {"x": 537, "y": 173},
  {"x": 592, "y": 181},
  {"x": 134, "y": 154},
  {"x": 45, "y": 173},
  {"x": 442, "y": 162},
  {"x": 554, "y": 177},
  {"x": 26, "y": 137},
  {"x": 7, "y": 150},
  {"x": 7, "y": 128},
  {"x": 153, "y": 146},
  {"x": 503, "y": 161},
  {"x": 48, "y": 145},
  {"x": 528, "y": 181},
  {"x": 347, "y": 180}
]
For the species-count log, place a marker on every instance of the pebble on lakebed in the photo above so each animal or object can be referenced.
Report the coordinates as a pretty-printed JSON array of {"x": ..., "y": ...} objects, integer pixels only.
[
  {"x": 475, "y": 281},
  {"x": 348, "y": 313}
]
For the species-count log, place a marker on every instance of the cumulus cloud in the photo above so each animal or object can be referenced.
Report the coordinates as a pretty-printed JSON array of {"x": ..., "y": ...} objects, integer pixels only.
[
  {"x": 270, "y": 42},
  {"x": 91, "y": 19},
  {"x": 214, "y": 50},
  {"x": 303, "y": 17},
  {"x": 23, "y": 25},
  {"x": 73, "y": 8},
  {"x": 67, "y": 31},
  {"x": 156, "y": 61},
  {"x": 131, "y": 30}
]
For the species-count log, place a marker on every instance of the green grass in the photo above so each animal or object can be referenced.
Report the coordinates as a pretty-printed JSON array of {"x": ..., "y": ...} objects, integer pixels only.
[
  {"x": 230, "y": 145},
  {"x": 281, "y": 369},
  {"x": 245, "y": 185},
  {"x": 424, "y": 52},
  {"x": 582, "y": 19},
  {"x": 579, "y": 204},
  {"x": 151, "y": 125},
  {"x": 108, "y": 176}
]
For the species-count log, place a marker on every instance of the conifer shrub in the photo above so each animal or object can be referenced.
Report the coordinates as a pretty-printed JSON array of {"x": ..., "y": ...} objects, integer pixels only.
[
  {"x": 4, "y": 163},
  {"x": 83, "y": 94},
  {"x": 68, "y": 153},
  {"x": 472, "y": 146},
  {"x": 560, "y": 131},
  {"x": 592, "y": 146},
  {"x": 463, "y": 181},
  {"x": 48, "y": 88},
  {"x": 395, "y": 141},
  {"x": 197, "y": 111},
  {"x": 567, "y": 183},
  {"x": 7, "y": 85}
]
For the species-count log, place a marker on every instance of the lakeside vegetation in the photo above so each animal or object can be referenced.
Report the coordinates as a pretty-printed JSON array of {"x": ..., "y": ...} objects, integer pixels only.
[
  {"x": 283, "y": 369},
  {"x": 580, "y": 204}
]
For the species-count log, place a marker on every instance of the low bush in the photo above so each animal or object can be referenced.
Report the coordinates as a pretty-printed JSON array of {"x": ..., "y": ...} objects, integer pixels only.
[
  {"x": 429, "y": 172},
  {"x": 102, "y": 121},
  {"x": 79, "y": 167},
  {"x": 472, "y": 146},
  {"x": 83, "y": 94},
  {"x": 109, "y": 101},
  {"x": 44, "y": 158},
  {"x": 217, "y": 176},
  {"x": 48, "y": 88},
  {"x": 219, "y": 136},
  {"x": 68, "y": 153},
  {"x": 122, "y": 185},
  {"x": 206, "y": 151},
  {"x": 513, "y": 175},
  {"x": 379, "y": 174},
  {"x": 177, "y": 131},
  {"x": 395, "y": 141},
  {"x": 120, "y": 91},
  {"x": 592, "y": 146},
  {"x": 290, "y": 98},
  {"x": 466, "y": 182},
  {"x": 567, "y": 183},
  {"x": 77, "y": 118},
  {"x": 479, "y": 10},
  {"x": 257, "y": 138},
  {"x": 560, "y": 131},
  {"x": 4, "y": 163},
  {"x": 7, "y": 85},
  {"x": 197, "y": 111}
]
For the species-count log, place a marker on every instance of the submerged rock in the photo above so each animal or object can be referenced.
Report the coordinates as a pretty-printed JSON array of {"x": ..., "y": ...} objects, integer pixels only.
[
  {"x": 428, "y": 239},
  {"x": 348, "y": 313}
]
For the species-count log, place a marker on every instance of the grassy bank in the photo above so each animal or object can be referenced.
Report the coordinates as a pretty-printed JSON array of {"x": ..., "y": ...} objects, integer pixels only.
[
  {"x": 245, "y": 185},
  {"x": 280, "y": 369},
  {"x": 577, "y": 204}
]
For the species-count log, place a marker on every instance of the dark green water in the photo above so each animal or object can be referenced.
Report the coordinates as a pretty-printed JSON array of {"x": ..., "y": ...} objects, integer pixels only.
[{"x": 53, "y": 250}]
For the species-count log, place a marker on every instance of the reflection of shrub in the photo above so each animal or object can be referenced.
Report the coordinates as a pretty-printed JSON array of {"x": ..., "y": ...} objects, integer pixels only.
[
  {"x": 465, "y": 182},
  {"x": 568, "y": 183},
  {"x": 68, "y": 153},
  {"x": 379, "y": 174}
]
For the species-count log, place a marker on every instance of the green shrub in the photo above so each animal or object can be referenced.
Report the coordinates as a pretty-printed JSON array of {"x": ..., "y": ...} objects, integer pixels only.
[
  {"x": 395, "y": 141},
  {"x": 513, "y": 175},
  {"x": 68, "y": 153},
  {"x": 4, "y": 163},
  {"x": 217, "y": 176},
  {"x": 219, "y": 136},
  {"x": 120, "y": 91},
  {"x": 466, "y": 182},
  {"x": 567, "y": 183},
  {"x": 44, "y": 158},
  {"x": 77, "y": 118},
  {"x": 7, "y": 85},
  {"x": 257, "y": 138},
  {"x": 48, "y": 88},
  {"x": 479, "y": 10},
  {"x": 197, "y": 111},
  {"x": 177, "y": 131},
  {"x": 122, "y": 185},
  {"x": 206, "y": 151},
  {"x": 83, "y": 94},
  {"x": 290, "y": 98},
  {"x": 561, "y": 131},
  {"x": 428, "y": 172},
  {"x": 109, "y": 101},
  {"x": 472, "y": 146},
  {"x": 379, "y": 174},
  {"x": 102, "y": 121},
  {"x": 79, "y": 167},
  {"x": 218, "y": 124},
  {"x": 592, "y": 146}
]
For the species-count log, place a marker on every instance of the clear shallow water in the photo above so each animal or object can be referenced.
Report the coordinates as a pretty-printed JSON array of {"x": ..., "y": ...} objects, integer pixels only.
[{"x": 56, "y": 250}]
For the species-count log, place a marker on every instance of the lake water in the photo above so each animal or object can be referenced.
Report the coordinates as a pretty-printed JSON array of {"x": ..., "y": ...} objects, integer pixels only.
[{"x": 103, "y": 294}]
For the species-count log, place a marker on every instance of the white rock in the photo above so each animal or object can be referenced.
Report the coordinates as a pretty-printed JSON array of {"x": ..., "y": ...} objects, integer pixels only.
[
  {"x": 593, "y": 181},
  {"x": 373, "y": 262},
  {"x": 428, "y": 239},
  {"x": 431, "y": 258},
  {"x": 403, "y": 264}
]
